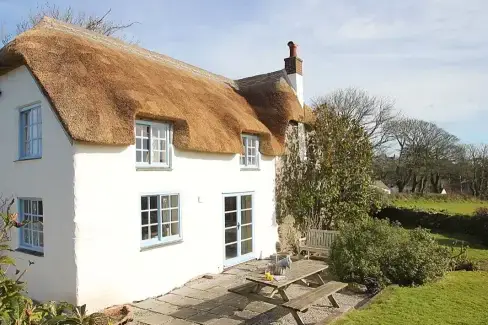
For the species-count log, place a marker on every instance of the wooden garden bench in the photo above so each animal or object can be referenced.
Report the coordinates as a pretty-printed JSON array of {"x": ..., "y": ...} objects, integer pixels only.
[
  {"x": 302, "y": 303},
  {"x": 317, "y": 241}
]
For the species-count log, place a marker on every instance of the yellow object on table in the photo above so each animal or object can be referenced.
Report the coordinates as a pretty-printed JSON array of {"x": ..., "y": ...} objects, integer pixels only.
[{"x": 268, "y": 276}]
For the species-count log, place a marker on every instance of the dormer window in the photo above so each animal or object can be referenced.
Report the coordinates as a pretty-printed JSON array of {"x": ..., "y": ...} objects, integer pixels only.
[
  {"x": 250, "y": 151},
  {"x": 152, "y": 144}
]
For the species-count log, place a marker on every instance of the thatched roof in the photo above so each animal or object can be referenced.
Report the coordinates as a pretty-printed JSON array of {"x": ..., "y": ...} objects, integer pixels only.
[{"x": 98, "y": 86}]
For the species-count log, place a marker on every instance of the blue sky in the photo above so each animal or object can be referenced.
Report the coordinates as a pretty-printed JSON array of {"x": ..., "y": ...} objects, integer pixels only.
[{"x": 430, "y": 56}]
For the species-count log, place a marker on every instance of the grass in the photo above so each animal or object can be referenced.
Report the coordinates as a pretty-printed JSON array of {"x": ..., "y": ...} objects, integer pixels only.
[
  {"x": 451, "y": 207},
  {"x": 459, "y": 298},
  {"x": 476, "y": 251}
]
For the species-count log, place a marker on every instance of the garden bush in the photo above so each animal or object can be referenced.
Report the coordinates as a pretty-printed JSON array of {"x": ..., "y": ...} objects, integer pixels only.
[
  {"x": 377, "y": 251},
  {"x": 476, "y": 225}
]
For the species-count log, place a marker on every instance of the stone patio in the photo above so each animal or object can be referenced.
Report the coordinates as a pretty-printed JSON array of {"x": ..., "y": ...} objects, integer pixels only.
[{"x": 207, "y": 301}]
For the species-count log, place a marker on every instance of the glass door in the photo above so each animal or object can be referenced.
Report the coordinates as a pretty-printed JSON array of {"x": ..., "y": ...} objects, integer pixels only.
[{"x": 238, "y": 228}]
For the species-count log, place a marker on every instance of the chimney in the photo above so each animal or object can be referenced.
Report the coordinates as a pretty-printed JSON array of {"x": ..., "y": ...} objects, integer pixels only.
[{"x": 293, "y": 68}]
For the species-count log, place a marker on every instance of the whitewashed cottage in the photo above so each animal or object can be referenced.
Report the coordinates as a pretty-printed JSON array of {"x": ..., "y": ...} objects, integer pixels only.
[{"x": 138, "y": 171}]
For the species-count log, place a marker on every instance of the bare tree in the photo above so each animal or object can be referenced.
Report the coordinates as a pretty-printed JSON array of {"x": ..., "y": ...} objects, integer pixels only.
[
  {"x": 99, "y": 24},
  {"x": 372, "y": 113},
  {"x": 425, "y": 152}
]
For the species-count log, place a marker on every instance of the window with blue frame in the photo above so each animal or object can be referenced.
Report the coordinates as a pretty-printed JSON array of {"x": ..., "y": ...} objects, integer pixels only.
[
  {"x": 30, "y": 135},
  {"x": 32, "y": 233},
  {"x": 160, "y": 219},
  {"x": 153, "y": 144},
  {"x": 250, "y": 151}
]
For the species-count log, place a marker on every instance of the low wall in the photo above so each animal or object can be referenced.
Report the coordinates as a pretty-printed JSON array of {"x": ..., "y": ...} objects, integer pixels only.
[{"x": 473, "y": 225}]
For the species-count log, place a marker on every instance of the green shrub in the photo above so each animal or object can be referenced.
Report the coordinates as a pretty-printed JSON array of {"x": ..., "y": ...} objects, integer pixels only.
[
  {"x": 476, "y": 225},
  {"x": 481, "y": 212},
  {"x": 375, "y": 249}
]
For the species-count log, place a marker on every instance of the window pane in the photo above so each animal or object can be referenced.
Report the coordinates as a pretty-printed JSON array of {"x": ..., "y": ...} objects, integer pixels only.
[
  {"x": 26, "y": 206},
  {"x": 138, "y": 156},
  {"x": 145, "y": 144},
  {"x": 155, "y": 144},
  {"x": 154, "y": 231},
  {"x": 246, "y": 201},
  {"x": 145, "y": 156},
  {"x": 26, "y": 235},
  {"x": 153, "y": 202},
  {"x": 40, "y": 208},
  {"x": 175, "y": 229},
  {"x": 230, "y": 235},
  {"x": 174, "y": 201},
  {"x": 230, "y": 203},
  {"x": 41, "y": 239},
  {"x": 138, "y": 144},
  {"x": 164, "y": 202},
  {"x": 144, "y": 218},
  {"x": 246, "y": 232},
  {"x": 144, "y": 203},
  {"x": 230, "y": 251},
  {"x": 34, "y": 207},
  {"x": 145, "y": 233},
  {"x": 246, "y": 217},
  {"x": 166, "y": 230},
  {"x": 231, "y": 219},
  {"x": 154, "y": 216},
  {"x": 165, "y": 214},
  {"x": 35, "y": 238},
  {"x": 246, "y": 247},
  {"x": 174, "y": 214}
]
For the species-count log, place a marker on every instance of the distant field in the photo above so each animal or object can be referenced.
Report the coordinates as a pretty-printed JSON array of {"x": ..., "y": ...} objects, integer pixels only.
[{"x": 453, "y": 207}]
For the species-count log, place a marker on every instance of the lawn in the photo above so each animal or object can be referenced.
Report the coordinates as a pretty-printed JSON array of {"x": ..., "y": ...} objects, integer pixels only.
[
  {"x": 459, "y": 298},
  {"x": 451, "y": 207},
  {"x": 476, "y": 251}
]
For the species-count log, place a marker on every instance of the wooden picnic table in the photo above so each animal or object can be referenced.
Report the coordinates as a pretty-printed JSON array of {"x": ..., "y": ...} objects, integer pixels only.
[{"x": 298, "y": 272}]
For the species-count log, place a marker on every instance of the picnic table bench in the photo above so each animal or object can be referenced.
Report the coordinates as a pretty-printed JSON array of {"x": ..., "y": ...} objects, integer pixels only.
[
  {"x": 302, "y": 303},
  {"x": 299, "y": 272}
]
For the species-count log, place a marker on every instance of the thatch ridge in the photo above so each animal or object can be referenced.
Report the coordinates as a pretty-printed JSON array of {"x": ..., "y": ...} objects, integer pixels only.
[{"x": 99, "y": 86}]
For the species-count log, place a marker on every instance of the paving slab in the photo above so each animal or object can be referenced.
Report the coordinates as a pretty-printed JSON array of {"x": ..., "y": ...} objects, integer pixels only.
[
  {"x": 180, "y": 300},
  {"x": 184, "y": 313},
  {"x": 152, "y": 318},
  {"x": 203, "y": 318},
  {"x": 224, "y": 310},
  {"x": 157, "y": 306}
]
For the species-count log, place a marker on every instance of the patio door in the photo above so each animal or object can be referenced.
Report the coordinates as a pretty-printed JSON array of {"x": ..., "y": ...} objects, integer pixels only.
[{"x": 238, "y": 228}]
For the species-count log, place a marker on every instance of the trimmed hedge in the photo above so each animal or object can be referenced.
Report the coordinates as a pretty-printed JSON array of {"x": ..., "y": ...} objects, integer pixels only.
[{"x": 476, "y": 225}]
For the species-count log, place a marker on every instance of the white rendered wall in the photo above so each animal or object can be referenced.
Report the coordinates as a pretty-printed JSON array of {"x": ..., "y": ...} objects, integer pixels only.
[
  {"x": 296, "y": 81},
  {"x": 112, "y": 269},
  {"x": 50, "y": 178}
]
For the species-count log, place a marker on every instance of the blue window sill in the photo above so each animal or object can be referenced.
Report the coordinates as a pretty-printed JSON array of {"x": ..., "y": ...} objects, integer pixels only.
[
  {"x": 153, "y": 168},
  {"x": 161, "y": 244},
  {"x": 28, "y": 158},
  {"x": 29, "y": 251},
  {"x": 250, "y": 169}
]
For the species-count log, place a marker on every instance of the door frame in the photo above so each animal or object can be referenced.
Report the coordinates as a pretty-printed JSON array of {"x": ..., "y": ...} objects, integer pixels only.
[{"x": 249, "y": 256}]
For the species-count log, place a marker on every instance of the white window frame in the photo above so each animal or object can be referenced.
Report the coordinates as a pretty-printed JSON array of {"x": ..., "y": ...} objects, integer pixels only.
[
  {"x": 160, "y": 240},
  {"x": 169, "y": 147},
  {"x": 23, "y": 128},
  {"x": 37, "y": 227},
  {"x": 245, "y": 157}
]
